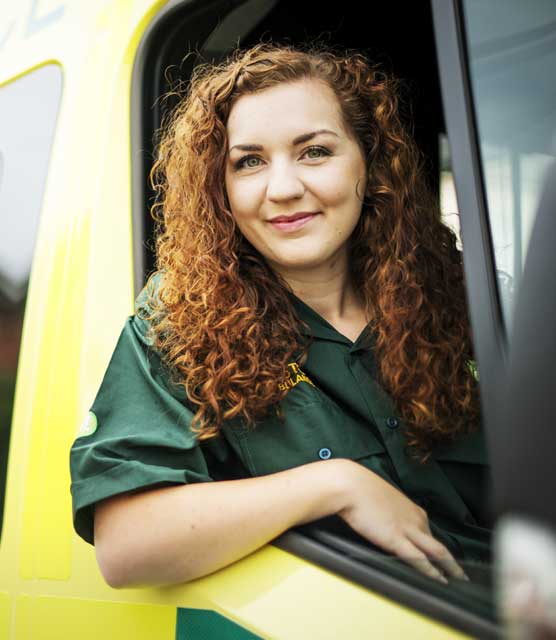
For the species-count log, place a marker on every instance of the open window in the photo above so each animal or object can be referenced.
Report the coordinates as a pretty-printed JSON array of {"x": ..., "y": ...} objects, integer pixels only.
[{"x": 406, "y": 47}]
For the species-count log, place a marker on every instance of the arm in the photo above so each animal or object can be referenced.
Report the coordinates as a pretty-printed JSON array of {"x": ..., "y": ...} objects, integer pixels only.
[{"x": 180, "y": 533}]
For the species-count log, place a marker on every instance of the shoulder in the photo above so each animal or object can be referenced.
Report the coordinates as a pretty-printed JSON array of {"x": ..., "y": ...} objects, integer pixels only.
[
  {"x": 148, "y": 308},
  {"x": 148, "y": 297}
]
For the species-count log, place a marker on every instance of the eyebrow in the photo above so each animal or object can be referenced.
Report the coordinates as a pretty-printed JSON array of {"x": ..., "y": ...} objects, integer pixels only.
[{"x": 299, "y": 140}]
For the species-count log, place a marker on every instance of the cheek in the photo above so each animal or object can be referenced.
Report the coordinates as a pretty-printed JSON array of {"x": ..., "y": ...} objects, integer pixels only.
[
  {"x": 338, "y": 186},
  {"x": 244, "y": 198}
]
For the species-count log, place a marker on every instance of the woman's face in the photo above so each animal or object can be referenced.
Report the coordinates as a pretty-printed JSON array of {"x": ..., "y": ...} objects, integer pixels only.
[{"x": 290, "y": 184}]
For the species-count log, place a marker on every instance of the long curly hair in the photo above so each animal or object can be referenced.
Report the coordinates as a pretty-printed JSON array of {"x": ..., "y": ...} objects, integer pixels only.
[{"x": 228, "y": 328}]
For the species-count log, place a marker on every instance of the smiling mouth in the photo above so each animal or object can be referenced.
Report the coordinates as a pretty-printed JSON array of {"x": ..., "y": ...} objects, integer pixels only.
[{"x": 293, "y": 223}]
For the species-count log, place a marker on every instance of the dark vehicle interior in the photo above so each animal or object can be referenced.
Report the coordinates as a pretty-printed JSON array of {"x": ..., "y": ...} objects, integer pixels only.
[{"x": 404, "y": 44}]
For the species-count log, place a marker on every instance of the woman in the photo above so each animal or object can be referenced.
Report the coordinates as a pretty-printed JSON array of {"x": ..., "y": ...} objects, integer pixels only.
[{"x": 303, "y": 273}]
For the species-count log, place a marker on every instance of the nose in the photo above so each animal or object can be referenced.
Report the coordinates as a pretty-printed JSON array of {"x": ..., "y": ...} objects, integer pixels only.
[{"x": 284, "y": 182}]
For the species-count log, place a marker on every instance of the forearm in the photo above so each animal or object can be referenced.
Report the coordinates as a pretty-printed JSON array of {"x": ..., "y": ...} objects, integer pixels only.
[{"x": 176, "y": 534}]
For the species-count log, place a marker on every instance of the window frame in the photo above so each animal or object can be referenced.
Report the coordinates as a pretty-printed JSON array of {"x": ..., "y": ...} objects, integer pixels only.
[{"x": 489, "y": 333}]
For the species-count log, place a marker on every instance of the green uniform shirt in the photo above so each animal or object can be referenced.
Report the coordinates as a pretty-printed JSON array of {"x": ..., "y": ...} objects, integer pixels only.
[{"x": 137, "y": 435}]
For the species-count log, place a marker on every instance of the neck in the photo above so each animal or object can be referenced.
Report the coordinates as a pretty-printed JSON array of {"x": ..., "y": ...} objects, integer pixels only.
[{"x": 329, "y": 292}]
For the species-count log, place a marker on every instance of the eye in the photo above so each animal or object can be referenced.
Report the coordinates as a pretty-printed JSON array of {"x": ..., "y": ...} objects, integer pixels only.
[
  {"x": 320, "y": 151},
  {"x": 313, "y": 153},
  {"x": 245, "y": 162}
]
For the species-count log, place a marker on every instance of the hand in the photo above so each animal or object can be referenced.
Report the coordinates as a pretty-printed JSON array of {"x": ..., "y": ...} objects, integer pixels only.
[{"x": 384, "y": 515}]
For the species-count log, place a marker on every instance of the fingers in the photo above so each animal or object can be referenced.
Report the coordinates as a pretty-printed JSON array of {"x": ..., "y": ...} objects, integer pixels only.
[
  {"x": 437, "y": 552},
  {"x": 411, "y": 555}
]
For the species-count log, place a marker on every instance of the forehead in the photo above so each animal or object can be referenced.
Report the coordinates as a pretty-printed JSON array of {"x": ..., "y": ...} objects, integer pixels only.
[{"x": 287, "y": 109}]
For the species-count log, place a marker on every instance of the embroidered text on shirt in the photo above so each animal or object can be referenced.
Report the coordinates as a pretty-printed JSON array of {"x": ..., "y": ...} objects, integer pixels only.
[{"x": 295, "y": 376}]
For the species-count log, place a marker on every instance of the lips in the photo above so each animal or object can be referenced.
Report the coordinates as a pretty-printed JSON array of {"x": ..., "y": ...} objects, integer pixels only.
[
  {"x": 295, "y": 216},
  {"x": 293, "y": 222}
]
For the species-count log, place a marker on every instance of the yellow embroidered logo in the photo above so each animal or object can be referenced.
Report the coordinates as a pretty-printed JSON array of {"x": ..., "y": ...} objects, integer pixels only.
[{"x": 295, "y": 376}]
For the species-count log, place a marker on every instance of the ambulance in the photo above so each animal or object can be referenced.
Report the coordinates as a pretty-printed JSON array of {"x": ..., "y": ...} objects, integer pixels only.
[{"x": 80, "y": 104}]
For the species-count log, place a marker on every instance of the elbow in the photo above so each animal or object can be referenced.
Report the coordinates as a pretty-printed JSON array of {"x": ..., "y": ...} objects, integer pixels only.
[
  {"x": 114, "y": 567},
  {"x": 110, "y": 563},
  {"x": 125, "y": 565},
  {"x": 129, "y": 555},
  {"x": 111, "y": 555}
]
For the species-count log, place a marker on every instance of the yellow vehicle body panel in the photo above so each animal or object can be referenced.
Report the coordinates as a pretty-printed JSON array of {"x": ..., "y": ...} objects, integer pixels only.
[{"x": 50, "y": 585}]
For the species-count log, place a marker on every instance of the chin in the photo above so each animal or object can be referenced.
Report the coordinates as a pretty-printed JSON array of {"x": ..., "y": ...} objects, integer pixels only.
[{"x": 300, "y": 262}]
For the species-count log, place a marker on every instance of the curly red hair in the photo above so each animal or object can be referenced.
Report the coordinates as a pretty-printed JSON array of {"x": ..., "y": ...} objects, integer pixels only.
[{"x": 228, "y": 327}]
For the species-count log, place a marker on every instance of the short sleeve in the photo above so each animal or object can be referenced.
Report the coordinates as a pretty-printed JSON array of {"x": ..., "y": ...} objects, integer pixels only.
[{"x": 137, "y": 433}]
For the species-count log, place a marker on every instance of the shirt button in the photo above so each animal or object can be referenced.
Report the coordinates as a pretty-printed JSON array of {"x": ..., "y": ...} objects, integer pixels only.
[
  {"x": 325, "y": 453},
  {"x": 392, "y": 423}
]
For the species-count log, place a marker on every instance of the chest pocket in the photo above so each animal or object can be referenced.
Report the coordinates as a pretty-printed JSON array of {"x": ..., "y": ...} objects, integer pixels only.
[{"x": 318, "y": 430}]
